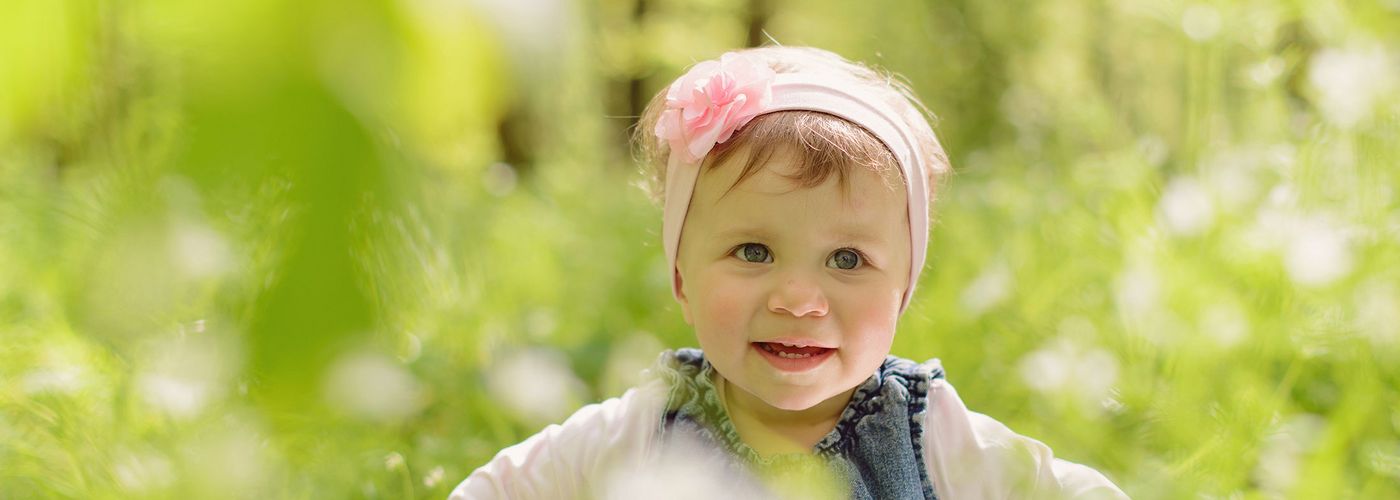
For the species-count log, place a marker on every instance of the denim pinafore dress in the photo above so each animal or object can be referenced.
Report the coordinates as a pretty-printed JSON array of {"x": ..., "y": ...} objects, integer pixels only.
[{"x": 875, "y": 448}]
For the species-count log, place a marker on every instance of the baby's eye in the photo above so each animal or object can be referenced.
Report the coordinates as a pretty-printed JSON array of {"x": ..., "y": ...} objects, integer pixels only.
[
  {"x": 844, "y": 258},
  {"x": 753, "y": 252}
]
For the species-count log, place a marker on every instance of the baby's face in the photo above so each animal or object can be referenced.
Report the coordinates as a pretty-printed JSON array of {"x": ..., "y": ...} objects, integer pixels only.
[{"x": 771, "y": 263}]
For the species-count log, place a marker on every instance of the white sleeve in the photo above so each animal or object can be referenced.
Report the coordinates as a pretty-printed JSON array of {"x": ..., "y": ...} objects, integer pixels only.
[
  {"x": 971, "y": 455},
  {"x": 561, "y": 461}
]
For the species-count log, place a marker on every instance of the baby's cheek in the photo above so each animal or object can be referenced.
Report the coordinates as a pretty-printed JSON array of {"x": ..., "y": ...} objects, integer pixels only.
[
  {"x": 725, "y": 306},
  {"x": 871, "y": 317}
]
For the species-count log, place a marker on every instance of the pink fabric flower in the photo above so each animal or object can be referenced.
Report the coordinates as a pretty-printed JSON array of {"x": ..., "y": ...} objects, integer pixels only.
[{"x": 711, "y": 101}]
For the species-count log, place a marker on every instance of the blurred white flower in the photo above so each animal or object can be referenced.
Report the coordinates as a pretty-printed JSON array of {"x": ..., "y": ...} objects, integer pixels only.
[
  {"x": 1200, "y": 22},
  {"x": 1274, "y": 221},
  {"x": 1233, "y": 175},
  {"x": 434, "y": 477},
  {"x": 1186, "y": 208},
  {"x": 393, "y": 461},
  {"x": 1277, "y": 469},
  {"x": 1137, "y": 291},
  {"x": 1317, "y": 254},
  {"x": 177, "y": 396},
  {"x": 147, "y": 472},
  {"x": 1063, "y": 366},
  {"x": 1283, "y": 196},
  {"x": 182, "y": 376},
  {"x": 499, "y": 179},
  {"x": 1264, "y": 73},
  {"x": 61, "y": 380},
  {"x": 1383, "y": 457},
  {"x": 536, "y": 384},
  {"x": 626, "y": 361},
  {"x": 1350, "y": 81},
  {"x": 989, "y": 289},
  {"x": 1097, "y": 371},
  {"x": 1112, "y": 404},
  {"x": 1282, "y": 155},
  {"x": 373, "y": 386},
  {"x": 1154, "y": 149},
  {"x": 199, "y": 251},
  {"x": 1225, "y": 323},
  {"x": 1236, "y": 189},
  {"x": 684, "y": 470},
  {"x": 1377, "y": 316},
  {"x": 1282, "y": 453},
  {"x": 1315, "y": 247},
  {"x": 1048, "y": 369},
  {"x": 535, "y": 31}
]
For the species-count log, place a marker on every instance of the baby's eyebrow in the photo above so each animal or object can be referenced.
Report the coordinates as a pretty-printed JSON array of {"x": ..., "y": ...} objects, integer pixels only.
[
  {"x": 857, "y": 236},
  {"x": 846, "y": 235},
  {"x": 745, "y": 232}
]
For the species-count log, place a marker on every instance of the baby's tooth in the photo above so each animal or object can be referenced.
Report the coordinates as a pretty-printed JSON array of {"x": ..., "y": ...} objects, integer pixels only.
[{"x": 788, "y": 355}]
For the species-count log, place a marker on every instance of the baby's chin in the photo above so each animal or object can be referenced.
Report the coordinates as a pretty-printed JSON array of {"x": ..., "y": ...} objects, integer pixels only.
[
  {"x": 794, "y": 404},
  {"x": 800, "y": 400}
]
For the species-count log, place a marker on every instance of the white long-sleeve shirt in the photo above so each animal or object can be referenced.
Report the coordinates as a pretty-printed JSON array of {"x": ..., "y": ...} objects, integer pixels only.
[{"x": 605, "y": 451}]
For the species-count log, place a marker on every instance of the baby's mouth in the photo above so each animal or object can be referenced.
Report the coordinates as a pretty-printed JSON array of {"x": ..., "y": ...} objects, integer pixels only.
[{"x": 791, "y": 351}]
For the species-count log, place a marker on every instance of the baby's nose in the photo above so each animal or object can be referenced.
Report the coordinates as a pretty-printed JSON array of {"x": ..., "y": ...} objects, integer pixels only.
[{"x": 798, "y": 298}]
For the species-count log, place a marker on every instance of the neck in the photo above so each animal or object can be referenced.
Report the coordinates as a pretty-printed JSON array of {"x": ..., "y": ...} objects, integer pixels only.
[{"x": 769, "y": 430}]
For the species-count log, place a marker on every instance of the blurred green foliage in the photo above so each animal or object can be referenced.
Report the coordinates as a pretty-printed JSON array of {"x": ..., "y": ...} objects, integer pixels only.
[{"x": 266, "y": 248}]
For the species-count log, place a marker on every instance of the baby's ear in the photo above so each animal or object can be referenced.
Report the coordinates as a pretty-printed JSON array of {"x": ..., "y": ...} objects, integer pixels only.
[{"x": 680, "y": 295}]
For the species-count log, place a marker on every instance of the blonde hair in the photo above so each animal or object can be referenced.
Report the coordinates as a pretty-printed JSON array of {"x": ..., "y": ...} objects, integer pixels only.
[{"x": 821, "y": 144}]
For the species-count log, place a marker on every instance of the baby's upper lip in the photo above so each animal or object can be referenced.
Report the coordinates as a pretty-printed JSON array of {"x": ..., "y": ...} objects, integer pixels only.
[{"x": 802, "y": 341}]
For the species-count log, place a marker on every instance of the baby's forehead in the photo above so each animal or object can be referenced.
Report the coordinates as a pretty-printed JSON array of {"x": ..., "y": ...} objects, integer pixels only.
[
  {"x": 782, "y": 170},
  {"x": 772, "y": 194}
]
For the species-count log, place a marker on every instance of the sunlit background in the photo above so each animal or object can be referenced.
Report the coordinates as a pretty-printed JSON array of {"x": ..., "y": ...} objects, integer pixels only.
[{"x": 353, "y": 248}]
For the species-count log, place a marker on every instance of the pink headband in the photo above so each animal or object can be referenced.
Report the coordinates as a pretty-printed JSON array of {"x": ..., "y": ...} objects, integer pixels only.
[{"x": 715, "y": 98}]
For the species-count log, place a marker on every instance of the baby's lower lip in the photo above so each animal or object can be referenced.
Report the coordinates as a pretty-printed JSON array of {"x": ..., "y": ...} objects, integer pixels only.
[{"x": 792, "y": 359}]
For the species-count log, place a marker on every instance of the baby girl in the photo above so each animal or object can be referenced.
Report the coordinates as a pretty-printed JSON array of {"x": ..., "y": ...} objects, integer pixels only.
[{"x": 796, "y": 188}]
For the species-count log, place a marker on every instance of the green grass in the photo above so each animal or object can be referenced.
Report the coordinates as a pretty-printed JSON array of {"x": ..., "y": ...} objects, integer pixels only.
[{"x": 264, "y": 250}]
